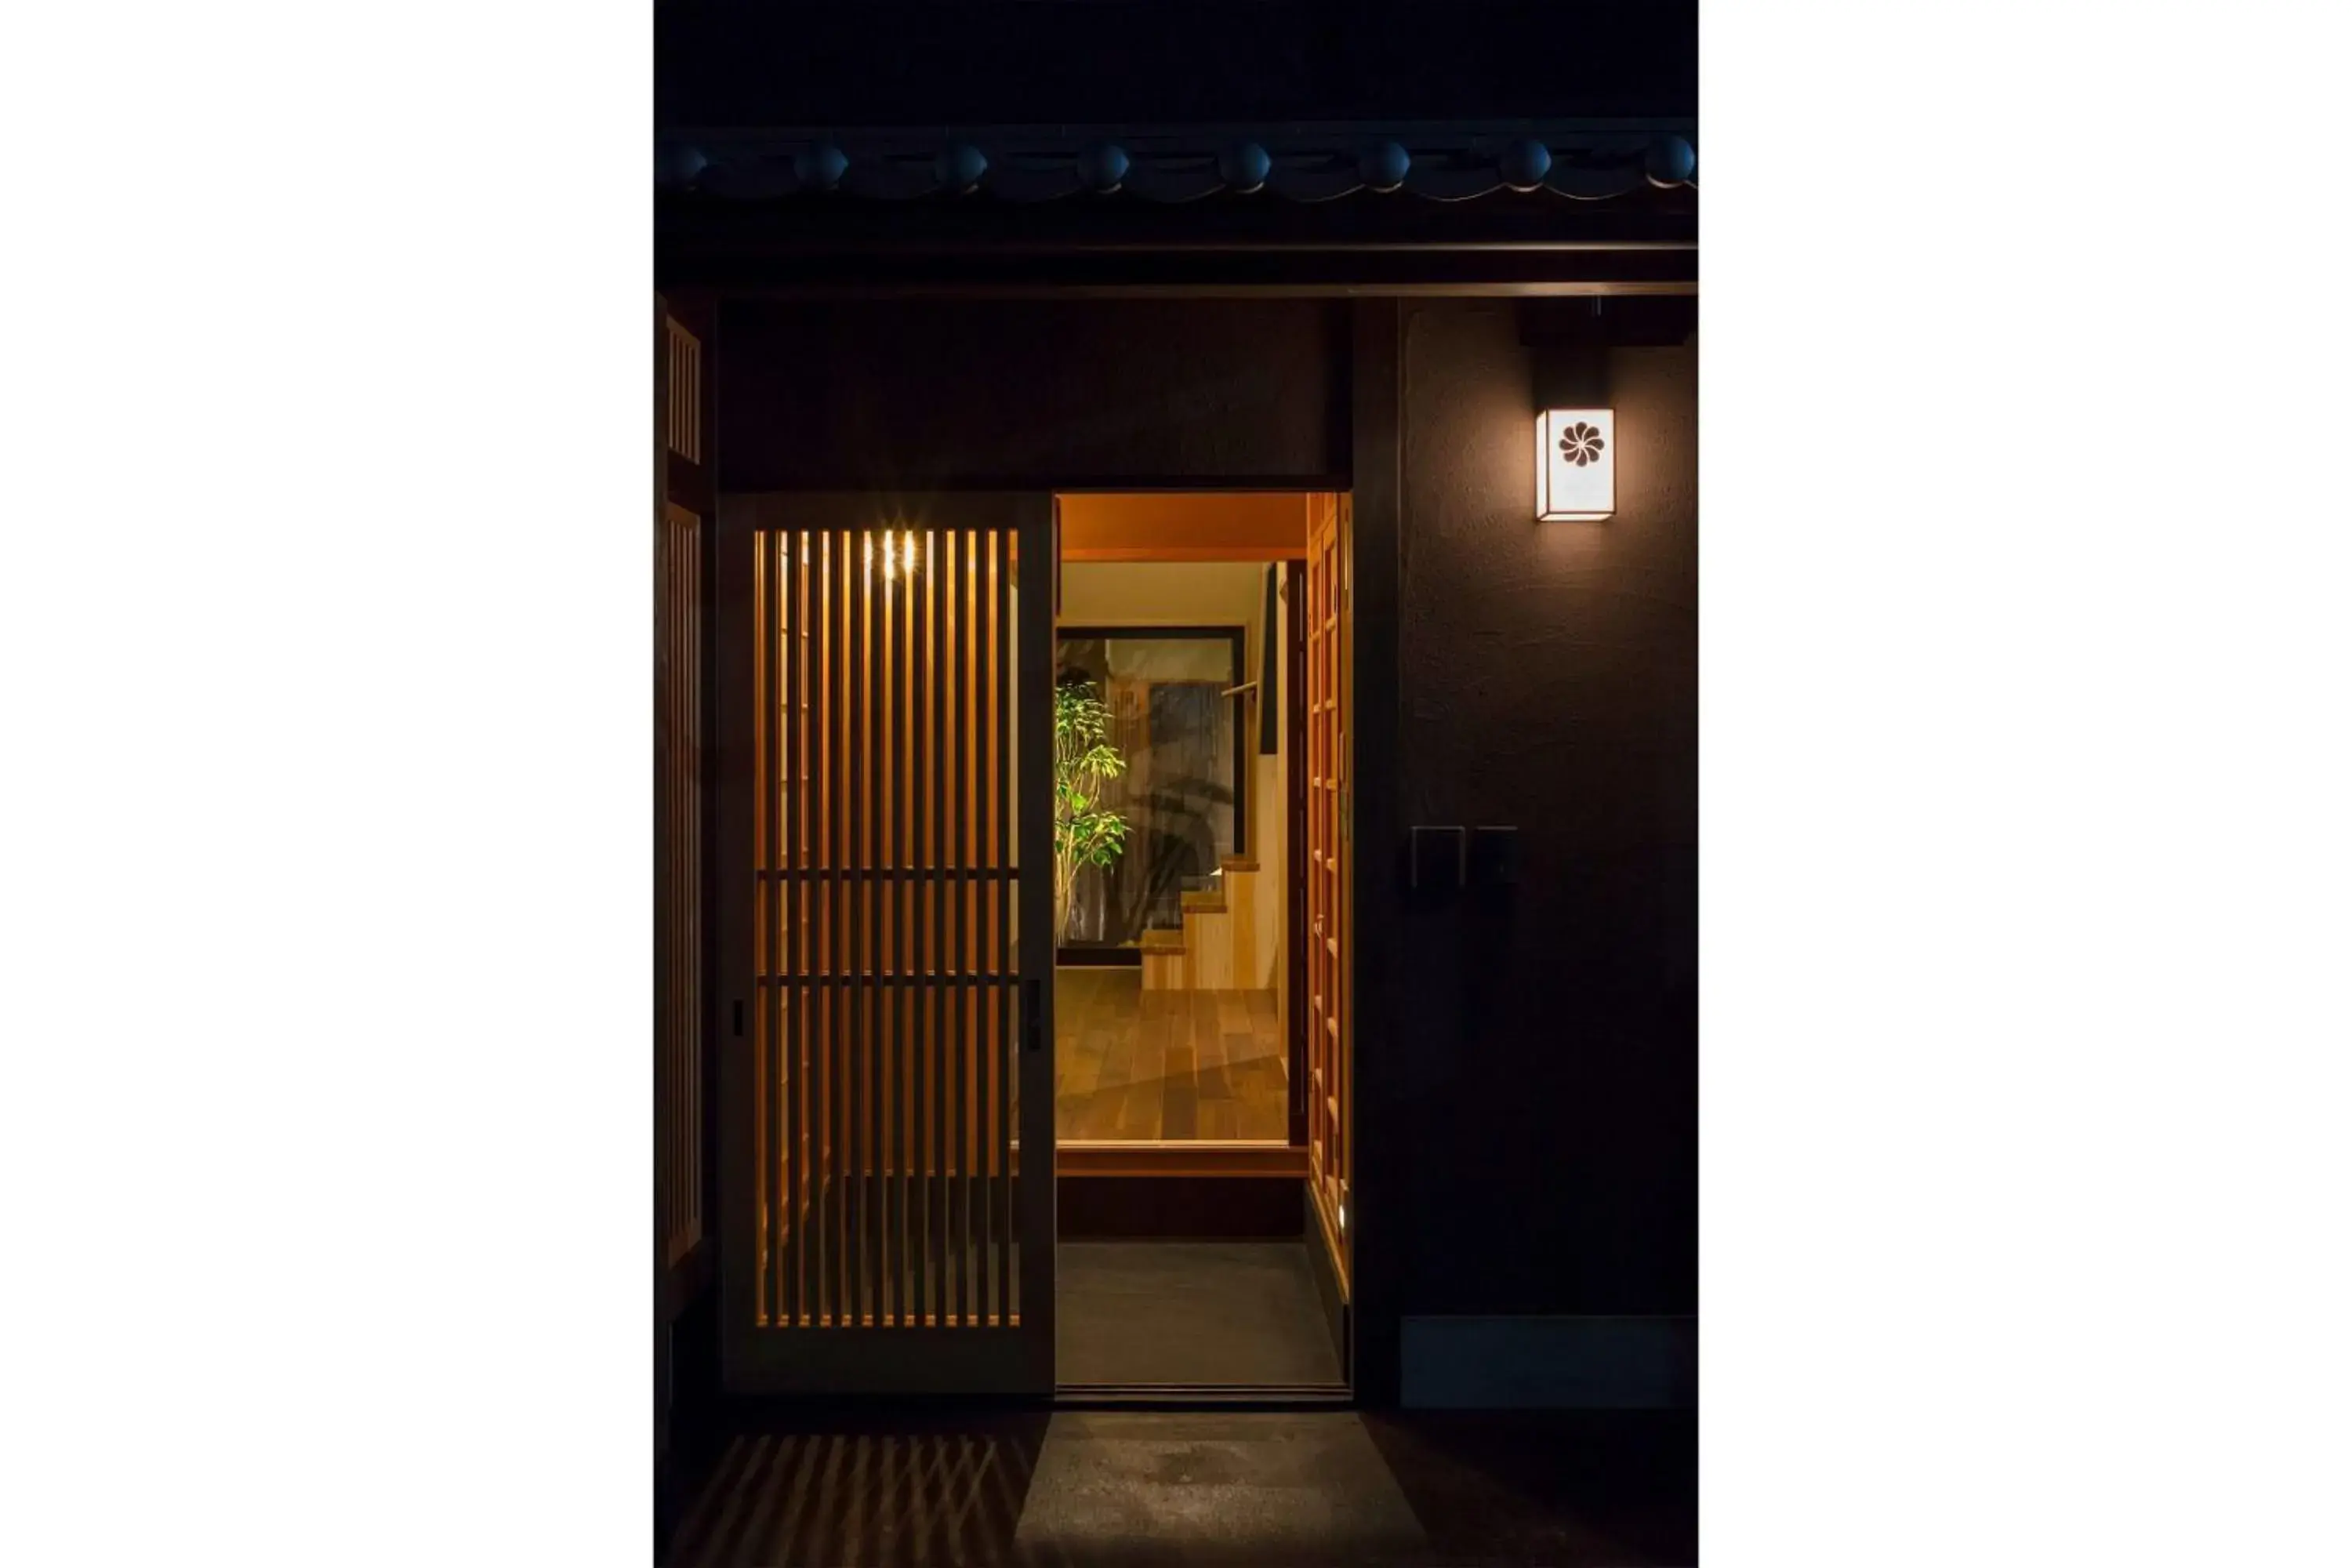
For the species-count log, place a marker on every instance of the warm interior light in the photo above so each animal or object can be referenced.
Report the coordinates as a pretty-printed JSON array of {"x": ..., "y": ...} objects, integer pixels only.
[
  {"x": 1575, "y": 464},
  {"x": 897, "y": 549}
]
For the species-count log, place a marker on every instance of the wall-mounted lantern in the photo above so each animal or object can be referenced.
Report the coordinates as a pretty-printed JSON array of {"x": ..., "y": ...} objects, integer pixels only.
[
  {"x": 1572, "y": 345},
  {"x": 1575, "y": 464}
]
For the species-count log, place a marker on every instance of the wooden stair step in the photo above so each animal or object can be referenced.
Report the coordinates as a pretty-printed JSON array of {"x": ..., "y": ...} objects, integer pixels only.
[
  {"x": 1236, "y": 863},
  {"x": 1207, "y": 902},
  {"x": 1162, "y": 939}
]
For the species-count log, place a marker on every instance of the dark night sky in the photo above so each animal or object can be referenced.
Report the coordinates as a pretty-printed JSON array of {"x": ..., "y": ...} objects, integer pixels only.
[{"x": 1050, "y": 61}]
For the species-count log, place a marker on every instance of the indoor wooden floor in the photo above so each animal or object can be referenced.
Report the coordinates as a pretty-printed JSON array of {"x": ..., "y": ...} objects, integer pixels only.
[{"x": 1131, "y": 1064}]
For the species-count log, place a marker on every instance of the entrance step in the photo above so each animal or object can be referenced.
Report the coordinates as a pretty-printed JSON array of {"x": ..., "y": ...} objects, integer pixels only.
[
  {"x": 1163, "y": 960},
  {"x": 1219, "y": 949}
]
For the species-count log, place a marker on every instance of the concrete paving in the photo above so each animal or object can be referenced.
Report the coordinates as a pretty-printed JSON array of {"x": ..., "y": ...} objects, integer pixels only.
[
  {"x": 1197, "y": 1313},
  {"x": 1140, "y": 1489}
]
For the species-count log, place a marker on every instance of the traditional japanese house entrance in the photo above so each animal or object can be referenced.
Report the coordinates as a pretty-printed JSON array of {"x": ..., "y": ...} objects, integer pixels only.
[{"x": 886, "y": 900}]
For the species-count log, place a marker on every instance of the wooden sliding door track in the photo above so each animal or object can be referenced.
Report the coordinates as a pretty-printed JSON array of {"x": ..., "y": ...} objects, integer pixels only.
[{"x": 1271, "y": 1398}]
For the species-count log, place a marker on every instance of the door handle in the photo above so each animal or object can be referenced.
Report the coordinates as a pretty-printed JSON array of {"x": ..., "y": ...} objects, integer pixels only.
[{"x": 1033, "y": 1017}]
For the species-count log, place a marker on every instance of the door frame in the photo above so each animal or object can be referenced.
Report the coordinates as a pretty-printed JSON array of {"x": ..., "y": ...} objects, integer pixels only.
[
  {"x": 756, "y": 1359},
  {"x": 1294, "y": 841}
]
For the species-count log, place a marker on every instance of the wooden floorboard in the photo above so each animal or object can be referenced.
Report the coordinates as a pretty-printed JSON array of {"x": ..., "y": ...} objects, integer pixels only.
[{"x": 1136, "y": 1064}]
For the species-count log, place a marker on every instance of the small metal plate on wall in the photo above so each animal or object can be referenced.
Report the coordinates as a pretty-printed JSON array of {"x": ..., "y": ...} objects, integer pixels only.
[
  {"x": 1437, "y": 859},
  {"x": 1494, "y": 858}
]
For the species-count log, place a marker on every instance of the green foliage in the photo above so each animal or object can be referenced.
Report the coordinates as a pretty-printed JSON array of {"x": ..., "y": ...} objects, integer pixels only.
[{"x": 1085, "y": 833}]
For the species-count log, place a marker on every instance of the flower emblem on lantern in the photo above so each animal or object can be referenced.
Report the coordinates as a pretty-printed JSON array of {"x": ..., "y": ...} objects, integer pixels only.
[{"x": 1581, "y": 444}]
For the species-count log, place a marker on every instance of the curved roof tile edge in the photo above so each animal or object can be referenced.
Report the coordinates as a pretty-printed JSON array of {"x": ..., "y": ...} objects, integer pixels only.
[{"x": 1588, "y": 162}]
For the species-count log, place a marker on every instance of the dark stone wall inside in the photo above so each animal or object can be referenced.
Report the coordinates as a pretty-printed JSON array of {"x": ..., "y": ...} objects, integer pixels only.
[{"x": 1547, "y": 1036}]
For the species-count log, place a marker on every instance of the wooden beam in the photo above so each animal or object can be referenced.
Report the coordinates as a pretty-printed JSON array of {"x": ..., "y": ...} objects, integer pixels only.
[
  {"x": 1179, "y": 1159},
  {"x": 1263, "y": 525}
]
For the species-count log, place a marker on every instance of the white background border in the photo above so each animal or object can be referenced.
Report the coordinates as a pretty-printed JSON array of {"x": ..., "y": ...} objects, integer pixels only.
[{"x": 324, "y": 1136}]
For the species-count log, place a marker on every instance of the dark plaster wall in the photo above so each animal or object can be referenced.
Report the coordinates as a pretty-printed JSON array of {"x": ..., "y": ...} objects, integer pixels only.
[
  {"x": 1547, "y": 1039},
  {"x": 896, "y": 394},
  {"x": 1536, "y": 1055}
]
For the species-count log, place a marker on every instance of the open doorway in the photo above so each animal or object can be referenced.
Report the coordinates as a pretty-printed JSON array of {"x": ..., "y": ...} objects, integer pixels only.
[{"x": 1199, "y": 951}]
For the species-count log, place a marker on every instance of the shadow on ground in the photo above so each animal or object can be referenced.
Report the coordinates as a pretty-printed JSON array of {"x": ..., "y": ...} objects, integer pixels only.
[
  {"x": 1570, "y": 1488},
  {"x": 1203, "y": 1489}
]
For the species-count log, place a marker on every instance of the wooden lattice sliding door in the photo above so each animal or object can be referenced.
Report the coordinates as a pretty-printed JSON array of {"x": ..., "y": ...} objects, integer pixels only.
[
  {"x": 681, "y": 1090},
  {"x": 677, "y": 842},
  {"x": 681, "y": 1095},
  {"x": 1329, "y": 871},
  {"x": 891, "y": 687}
]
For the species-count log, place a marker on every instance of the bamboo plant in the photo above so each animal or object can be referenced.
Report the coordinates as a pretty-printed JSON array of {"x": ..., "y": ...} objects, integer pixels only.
[{"x": 1085, "y": 832}]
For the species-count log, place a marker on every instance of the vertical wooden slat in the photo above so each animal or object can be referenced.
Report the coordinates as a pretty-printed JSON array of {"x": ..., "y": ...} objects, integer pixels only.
[
  {"x": 919, "y": 1083},
  {"x": 942, "y": 987},
  {"x": 663, "y": 1127},
  {"x": 761, "y": 740},
  {"x": 876, "y": 983},
  {"x": 774, "y": 997},
  {"x": 913, "y": 896},
  {"x": 984, "y": 647},
  {"x": 837, "y": 993},
  {"x": 903, "y": 891},
  {"x": 983, "y": 1164},
  {"x": 877, "y": 904},
  {"x": 682, "y": 422},
  {"x": 978, "y": 644},
  {"x": 815, "y": 922},
  {"x": 779, "y": 902},
  {"x": 825, "y": 713},
  {"x": 807, "y": 907},
  {"x": 789, "y": 891},
  {"x": 1001, "y": 1060},
  {"x": 857, "y": 809},
  {"x": 770, "y": 999},
  {"x": 895, "y": 1231},
  {"x": 804, "y": 909},
  {"x": 960, "y": 1041},
  {"x": 871, "y": 1080}
]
